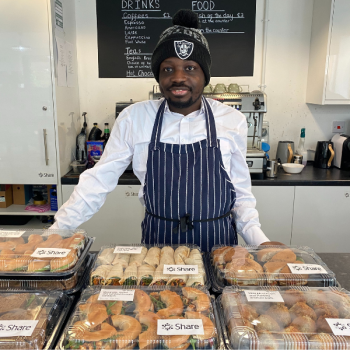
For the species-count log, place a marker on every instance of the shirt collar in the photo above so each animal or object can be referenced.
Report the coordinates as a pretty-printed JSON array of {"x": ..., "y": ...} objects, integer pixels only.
[{"x": 191, "y": 115}]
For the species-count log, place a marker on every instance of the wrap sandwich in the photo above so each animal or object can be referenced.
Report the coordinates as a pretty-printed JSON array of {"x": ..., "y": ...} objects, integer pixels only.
[
  {"x": 145, "y": 275},
  {"x": 121, "y": 259},
  {"x": 177, "y": 280},
  {"x": 181, "y": 253},
  {"x": 167, "y": 256},
  {"x": 129, "y": 276},
  {"x": 114, "y": 276},
  {"x": 137, "y": 259},
  {"x": 153, "y": 257},
  {"x": 99, "y": 275},
  {"x": 106, "y": 256},
  {"x": 159, "y": 278}
]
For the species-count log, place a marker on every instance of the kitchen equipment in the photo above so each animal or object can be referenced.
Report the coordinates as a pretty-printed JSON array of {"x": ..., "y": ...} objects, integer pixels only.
[
  {"x": 285, "y": 151},
  {"x": 301, "y": 147},
  {"x": 324, "y": 154},
  {"x": 341, "y": 144},
  {"x": 219, "y": 89},
  {"x": 272, "y": 168},
  {"x": 234, "y": 88},
  {"x": 298, "y": 159},
  {"x": 292, "y": 168},
  {"x": 260, "y": 269},
  {"x": 253, "y": 106}
]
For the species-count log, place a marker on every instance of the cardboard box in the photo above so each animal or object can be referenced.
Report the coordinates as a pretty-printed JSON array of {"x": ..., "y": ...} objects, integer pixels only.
[
  {"x": 6, "y": 197},
  {"x": 21, "y": 194}
]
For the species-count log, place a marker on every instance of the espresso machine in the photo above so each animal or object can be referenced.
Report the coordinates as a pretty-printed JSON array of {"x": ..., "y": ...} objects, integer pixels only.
[{"x": 253, "y": 106}]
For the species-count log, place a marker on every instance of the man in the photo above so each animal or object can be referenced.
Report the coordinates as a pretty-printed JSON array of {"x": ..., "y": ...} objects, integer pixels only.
[{"x": 188, "y": 153}]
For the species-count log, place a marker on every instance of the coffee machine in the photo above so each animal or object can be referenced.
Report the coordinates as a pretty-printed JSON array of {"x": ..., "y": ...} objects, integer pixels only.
[{"x": 253, "y": 106}]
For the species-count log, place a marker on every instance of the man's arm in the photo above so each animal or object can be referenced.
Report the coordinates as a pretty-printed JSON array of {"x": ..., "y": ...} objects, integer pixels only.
[
  {"x": 244, "y": 212},
  {"x": 94, "y": 184}
]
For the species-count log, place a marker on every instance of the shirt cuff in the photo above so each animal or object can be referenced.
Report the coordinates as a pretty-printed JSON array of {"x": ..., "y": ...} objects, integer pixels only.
[{"x": 254, "y": 236}]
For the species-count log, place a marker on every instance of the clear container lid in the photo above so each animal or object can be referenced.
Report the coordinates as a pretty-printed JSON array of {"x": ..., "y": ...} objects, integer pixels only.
[
  {"x": 152, "y": 318},
  {"x": 31, "y": 320},
  {"x": 146, "y": 265},
  {"x": 42, "y": 253},
  {"x": 268, "y": 265},
  {"x": 285, "y": 317}
]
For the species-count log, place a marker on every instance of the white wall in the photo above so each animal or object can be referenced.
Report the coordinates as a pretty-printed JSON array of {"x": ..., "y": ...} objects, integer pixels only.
[{"x": 288, "y": 42}]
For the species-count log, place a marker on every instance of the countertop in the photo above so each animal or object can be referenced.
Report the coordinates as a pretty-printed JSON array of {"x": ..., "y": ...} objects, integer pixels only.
[{"x": 310, "y": 176}]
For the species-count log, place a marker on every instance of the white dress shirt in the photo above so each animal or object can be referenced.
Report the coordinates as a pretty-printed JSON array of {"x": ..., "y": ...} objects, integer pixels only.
[{"x": 129, "y": 141}]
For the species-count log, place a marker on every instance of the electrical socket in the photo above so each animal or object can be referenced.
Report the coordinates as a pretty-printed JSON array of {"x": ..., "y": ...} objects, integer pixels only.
[{"x": 338, "y": 126}]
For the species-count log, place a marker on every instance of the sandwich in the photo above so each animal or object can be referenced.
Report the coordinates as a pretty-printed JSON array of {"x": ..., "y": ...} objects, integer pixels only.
[
  {"x": 129, "y": 276},
  {"x": 153, "y": 257},
  {"x": 137, "y": 259},
  {"x": 145, "y": 275},
  {"x": 50, "y": 242},
  {"x": 121, "y": 259},
  {"x": 99, "y": 275},
  {"x": 180, "y": 254},
  {"x": 106, "y": 256},
  {"x": 39, "y": 265},
  {"x": 243, "y": 272},
  {"x": 63, "y": 264},
  {"x": 266, "y": 254},
  {"x": 114, "y": 276}
]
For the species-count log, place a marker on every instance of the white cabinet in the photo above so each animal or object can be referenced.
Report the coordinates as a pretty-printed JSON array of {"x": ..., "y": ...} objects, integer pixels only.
[
  {"x": 322, "y": 218},
  {"x": 39, "y": 117},
  {"x": 26, "y": 105},
  {"x": 329, "y": 60},
  {"x": 275, "y": 207},
  {"x": 119, "y": 219}
]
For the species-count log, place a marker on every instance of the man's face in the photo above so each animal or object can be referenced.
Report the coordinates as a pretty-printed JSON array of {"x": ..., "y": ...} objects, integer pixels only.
[{"x": 182, "y": 83}]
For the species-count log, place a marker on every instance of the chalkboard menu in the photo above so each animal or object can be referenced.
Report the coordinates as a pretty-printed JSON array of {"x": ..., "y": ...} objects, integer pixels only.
[{"x": 128, "y": 31}]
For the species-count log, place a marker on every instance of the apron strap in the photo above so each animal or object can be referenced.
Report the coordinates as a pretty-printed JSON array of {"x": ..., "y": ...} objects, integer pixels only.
[{"x": 209, "y": 119}]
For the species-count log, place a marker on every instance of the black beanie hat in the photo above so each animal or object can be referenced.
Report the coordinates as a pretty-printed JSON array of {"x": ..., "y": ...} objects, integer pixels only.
[{"x": 184, "y": 40}]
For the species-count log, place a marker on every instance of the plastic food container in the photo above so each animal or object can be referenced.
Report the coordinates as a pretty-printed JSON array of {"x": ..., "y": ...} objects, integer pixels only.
[
  {"x": 267, "y": 266},
  {"x": 137, "y": 323},
  {"x": 71, "y": 285},
  {"x": 42, "y": 254},
  {"x": 304, "y": 318},
  {"x": 143, "y": 265},
  {"x": 40, "y": 314}
]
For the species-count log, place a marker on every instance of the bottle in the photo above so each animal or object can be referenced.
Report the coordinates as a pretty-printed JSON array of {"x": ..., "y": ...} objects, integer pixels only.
[
  {"x": 53, "y": 198},
  {"x": 95, "y": 133},
  {"x": 301, "y": 146},
  {"x": 106, "y": 135}
]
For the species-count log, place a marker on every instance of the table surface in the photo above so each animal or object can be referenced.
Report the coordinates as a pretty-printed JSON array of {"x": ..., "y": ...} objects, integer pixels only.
[{"x": 310, "y": 176}]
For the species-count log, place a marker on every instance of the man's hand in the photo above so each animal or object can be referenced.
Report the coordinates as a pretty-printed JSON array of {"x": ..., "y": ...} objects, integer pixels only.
[{"x": 272, "y": 243}]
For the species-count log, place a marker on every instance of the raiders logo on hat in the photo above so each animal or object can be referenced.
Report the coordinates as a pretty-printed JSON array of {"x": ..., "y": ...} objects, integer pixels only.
[{"x": 183, "y": 48}]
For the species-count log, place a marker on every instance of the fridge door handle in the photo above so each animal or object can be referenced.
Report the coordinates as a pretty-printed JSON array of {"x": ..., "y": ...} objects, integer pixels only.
[{"x": 45, "y": 145}]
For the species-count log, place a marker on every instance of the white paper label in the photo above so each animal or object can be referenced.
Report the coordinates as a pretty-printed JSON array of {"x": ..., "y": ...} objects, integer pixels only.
[
  {"x": 50, "y": 253},
  {"x": 127, "y": 250},
  {"x": 306, "y": 269},
  {"x": 11, "y": 233},
  {"x": 180, "y": 327},
  {"x": 264, "y": 295},
  {"x": 339, "y": 326},
  {"x": 17, "y": 328},
  {"x": 117, "y": 294},
  {"x": 180, "y": 270}
]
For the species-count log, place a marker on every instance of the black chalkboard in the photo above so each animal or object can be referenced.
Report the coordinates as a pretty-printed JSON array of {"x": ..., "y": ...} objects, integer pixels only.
[{"x": 128, "y": 31}]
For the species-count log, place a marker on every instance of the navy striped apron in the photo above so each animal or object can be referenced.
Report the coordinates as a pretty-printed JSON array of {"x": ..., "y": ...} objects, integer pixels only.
[{"x": 188, "y": 193}]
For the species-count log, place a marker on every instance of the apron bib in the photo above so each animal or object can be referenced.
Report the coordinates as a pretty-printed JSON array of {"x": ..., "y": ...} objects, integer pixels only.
[{"x": 188, "y": 193}]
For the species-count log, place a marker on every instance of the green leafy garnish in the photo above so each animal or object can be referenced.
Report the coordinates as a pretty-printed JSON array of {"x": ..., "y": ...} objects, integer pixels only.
[
  {"x": 157, "y": 303},
  {"x": 123, "y": 311},
  {"x": 31, "y": 299},
  {"x": 23, "y": 268},
  {"x": 109, "y": 311},
  {"x": 146, "y": 281},
  {"x": 300, "y": 259},
  {"x": 144, "y": 328},
  {"x": 193, "y": 343},
  {"x": 72, "y": 345}
]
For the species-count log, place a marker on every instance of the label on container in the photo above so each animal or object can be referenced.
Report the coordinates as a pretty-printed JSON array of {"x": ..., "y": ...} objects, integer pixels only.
[
  {"x": 127, "y": 250},
  {"x": 117, "y": 294},
  {"x": 11, "y": 233},
  {"x": 50, "y": 253},
  {"x": 306, "y": 269},
  {"x": 180, "y": 270},
  {"x": 180, "y": 327},
  {"x": 17, "y": 328},
  {"x": 339, "y": 326},
  {"x": 264, "y": 296}
]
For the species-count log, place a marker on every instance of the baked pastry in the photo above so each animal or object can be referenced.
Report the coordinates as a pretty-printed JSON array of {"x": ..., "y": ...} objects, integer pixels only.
[
  {"x": 280, "y": 314},
  {"x": 243, "y": 272},
  {"x": 266, "y": 323},
  {"x": 321, "y": 341},
  {"x": 248, "y": 312},
  {"x": 267, "y": 341},
  {"x": 292, "y": 296},
  {"x": 322, "y": 325},
  {"x": 326, "y": 310},
  {"x": 305, "y": 324},
  {"x": 301, "y": 309}
]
